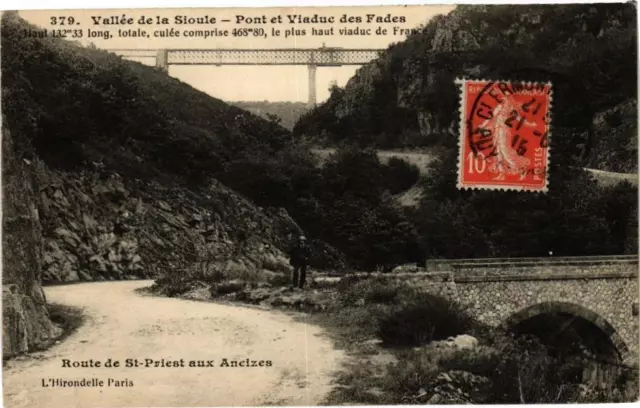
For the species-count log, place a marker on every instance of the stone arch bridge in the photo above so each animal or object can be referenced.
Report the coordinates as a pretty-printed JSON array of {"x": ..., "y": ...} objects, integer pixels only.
[{"x": 601, "y": 292}]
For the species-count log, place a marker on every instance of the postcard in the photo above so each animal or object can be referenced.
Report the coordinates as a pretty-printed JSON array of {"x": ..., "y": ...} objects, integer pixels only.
[{"x": 308, "y": 206}]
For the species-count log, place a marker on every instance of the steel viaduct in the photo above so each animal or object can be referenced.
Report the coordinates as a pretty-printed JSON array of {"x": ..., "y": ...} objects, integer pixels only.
[{"x": 311, "y": 57}]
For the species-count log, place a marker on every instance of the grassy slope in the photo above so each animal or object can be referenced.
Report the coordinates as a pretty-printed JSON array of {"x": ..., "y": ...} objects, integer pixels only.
[
  {"x": 92, "y": 102},
  {"x": 93, "y": 117}
]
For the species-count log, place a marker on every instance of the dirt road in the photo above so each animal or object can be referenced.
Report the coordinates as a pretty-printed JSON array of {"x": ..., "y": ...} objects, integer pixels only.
[
  {"x": 423, "y": 159},
  {"x": 122, "y": 324}
]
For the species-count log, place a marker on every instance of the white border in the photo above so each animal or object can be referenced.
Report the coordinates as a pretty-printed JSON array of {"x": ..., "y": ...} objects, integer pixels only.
[{"x": 128, "y": 4}]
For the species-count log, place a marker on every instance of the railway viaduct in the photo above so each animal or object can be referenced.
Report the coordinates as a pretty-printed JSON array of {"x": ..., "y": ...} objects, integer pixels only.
[{"x": 312, "y": 58}]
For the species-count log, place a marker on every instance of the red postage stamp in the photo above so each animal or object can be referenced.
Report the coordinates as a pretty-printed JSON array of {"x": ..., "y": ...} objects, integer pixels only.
[{"x": 504, "y": 135}]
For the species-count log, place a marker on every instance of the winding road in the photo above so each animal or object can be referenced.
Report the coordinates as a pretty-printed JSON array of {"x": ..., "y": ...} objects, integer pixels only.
[
  {"x": 297, "y": 359},
  {"x": 423, "y": 159}
]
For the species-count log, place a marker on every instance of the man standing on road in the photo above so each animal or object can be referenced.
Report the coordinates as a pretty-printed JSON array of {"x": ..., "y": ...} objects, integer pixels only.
[{"x": 299, "y": 260}]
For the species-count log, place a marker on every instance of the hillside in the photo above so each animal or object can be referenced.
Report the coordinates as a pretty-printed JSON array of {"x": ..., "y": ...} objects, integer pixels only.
[
  {"x": 287, "y": 113},
  {"x": 130, "y": 164},
  {"x": 130, "y": 173},
  {"x": 407, "y": 98},
  {"x": 122, "y": 158},
  {"x": 79, "y": 109}
]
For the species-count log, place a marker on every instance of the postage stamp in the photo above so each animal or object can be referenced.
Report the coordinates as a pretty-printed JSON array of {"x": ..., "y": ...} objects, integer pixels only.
[{"x": 504, "y": 135}]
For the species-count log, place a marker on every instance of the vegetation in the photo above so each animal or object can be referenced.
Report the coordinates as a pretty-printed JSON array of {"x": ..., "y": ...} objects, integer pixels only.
[
  {"x": 346, "y": 203},
  {"x": 505, "y": 370},
  {"x": 400, "y": 176},
  {"x": 410, "y": 91},
  {"x": 394, "y": 312},
  {"x": 67, "y": 318},
  {"x": 285, "y": 113},
  {"x": 408, "y": 97},
  {"x": 501, "y": 369},
  {"x": 367, "y": 226},
  {"x": 576, "y": 216},
  {"x": 93, "y": 104},
  {"x": 406, "y": 350},
  {"x": 423, "y": 319},
  {"x": 95, "y": 111}
]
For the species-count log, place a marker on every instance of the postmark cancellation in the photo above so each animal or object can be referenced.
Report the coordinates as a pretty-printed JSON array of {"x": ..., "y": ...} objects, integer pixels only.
[{"x": 504, "y": 135}]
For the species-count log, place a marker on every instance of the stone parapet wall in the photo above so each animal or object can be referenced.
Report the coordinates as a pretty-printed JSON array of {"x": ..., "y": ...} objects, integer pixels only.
[
  {"x": 602, "y": 291},
  {"x": 546, "y": 273},
  {"x": 608, "y": 303}
]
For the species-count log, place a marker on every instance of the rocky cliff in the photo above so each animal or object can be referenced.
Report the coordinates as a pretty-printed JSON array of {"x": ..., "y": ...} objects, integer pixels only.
[
  {"x": 25, "y": 320},
  {"x": 125, "y": 160},
  {"x": 407, "y": 97},
  {"x": 100, "y": 226},
  {"x": 109, "y": 173}
]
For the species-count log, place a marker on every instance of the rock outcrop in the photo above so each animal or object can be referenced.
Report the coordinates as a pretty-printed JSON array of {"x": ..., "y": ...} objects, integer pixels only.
[
  {"x": 277, "y": 294},
  {"x": 615, "y": 139},
  {"x": 99, "y": 226},
  {"x": 109, "y": 173},
  {"x": 25, "y": 321},
  {"x": 126, "y": 159},
  {"x": 461, "y": 342},
  {"x": 408, "y": 97}
]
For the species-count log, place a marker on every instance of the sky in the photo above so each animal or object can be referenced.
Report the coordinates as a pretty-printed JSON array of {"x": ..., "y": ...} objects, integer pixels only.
[{"x": 249, "y": 83}]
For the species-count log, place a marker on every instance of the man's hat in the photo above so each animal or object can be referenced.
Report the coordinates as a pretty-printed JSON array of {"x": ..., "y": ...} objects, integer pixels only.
[{"x": 302, "y": 238}]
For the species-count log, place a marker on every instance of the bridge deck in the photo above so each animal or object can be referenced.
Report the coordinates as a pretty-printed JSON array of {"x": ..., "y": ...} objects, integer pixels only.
[
  {"x": 439, "y": 264},
  {"x": 289, "y": 56}
]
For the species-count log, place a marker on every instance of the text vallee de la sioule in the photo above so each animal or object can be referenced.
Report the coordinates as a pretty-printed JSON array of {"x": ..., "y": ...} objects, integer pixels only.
[{"x": 124, "y": 19}]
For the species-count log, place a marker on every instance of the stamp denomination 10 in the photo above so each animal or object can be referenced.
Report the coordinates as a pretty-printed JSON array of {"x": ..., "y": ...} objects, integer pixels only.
[{"x": 504, "y": 135}]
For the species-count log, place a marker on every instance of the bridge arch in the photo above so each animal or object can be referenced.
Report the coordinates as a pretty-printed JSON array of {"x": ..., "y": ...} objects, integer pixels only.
[{"x": 566, "y": 308}]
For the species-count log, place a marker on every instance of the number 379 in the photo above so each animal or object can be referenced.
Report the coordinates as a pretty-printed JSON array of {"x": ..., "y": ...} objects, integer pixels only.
[{"x": 62, "y": 20}]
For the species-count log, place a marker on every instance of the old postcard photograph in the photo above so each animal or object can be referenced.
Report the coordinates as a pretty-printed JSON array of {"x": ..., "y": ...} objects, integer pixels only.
[{"x": 320, "y": 206}]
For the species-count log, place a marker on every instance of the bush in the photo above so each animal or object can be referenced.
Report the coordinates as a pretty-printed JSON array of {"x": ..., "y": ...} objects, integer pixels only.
[
  {"x": 274, "y": 264},
  {"x": 362, "y": 290},
  {"x": 279, "y": 280},
  {"x": 523, "y": 370},
  {"x": 348, "y": 282},
  {"x": 479, "y": 361},
  {"x": 414, "y": 372},
  {"x": 624, "y": 389},
  {"x": 381, "y": 292},
  {"x": 225, "y": 288},
  {"x": 427, "y": 317},
  {"x": 172, "y": 284},
  {"x": 357, "y": 290},
  {"x": 357, "y": 324},
  {"x": 400, "y": 175},
  {"x": 528, "y": 373}
]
